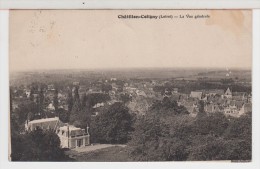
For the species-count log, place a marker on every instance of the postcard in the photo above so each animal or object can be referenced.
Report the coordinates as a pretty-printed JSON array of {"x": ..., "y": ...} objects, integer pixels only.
[{"x": 130, "y": 85}]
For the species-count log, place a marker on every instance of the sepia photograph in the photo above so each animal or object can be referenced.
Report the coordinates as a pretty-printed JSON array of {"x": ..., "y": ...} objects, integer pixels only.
[{"x": 130, "y": 85}]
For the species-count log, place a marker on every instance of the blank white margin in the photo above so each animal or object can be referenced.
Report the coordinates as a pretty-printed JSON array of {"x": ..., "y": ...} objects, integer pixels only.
[{"x": 129, "y": 4}]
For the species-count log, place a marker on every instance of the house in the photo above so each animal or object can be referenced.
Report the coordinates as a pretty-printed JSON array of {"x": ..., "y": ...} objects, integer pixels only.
[
  {"x": 73, "y": 137},
  {"x": 51, "y": 87},
  {"x": 141, "y": 93},
  {"x": 214, "y": 92},
  {"x": 175, "y": 90},
  {"x": 27, "y": 93},
  {"x": 228, "y": 94},
  {"x": 239, "y": 96},
  {"x": 98, "y": 105},
  {"x": 212, "y": 108},
  {"x": 196, "y": 94},
  {"x": 51, "y": 107},
  {"x": 75, "y": 83},
  {"x": 183, "y": 97},
  {"x": 191, "y": 106},
  {"x": 235, "y": 109},
  {"x": 62, "y": 96},
  {"x": 70, "y": 136},
  {"x": 113, "y": 79},
  {"x": 167, "y": 92},
  {"x": 231, "y": 111}
]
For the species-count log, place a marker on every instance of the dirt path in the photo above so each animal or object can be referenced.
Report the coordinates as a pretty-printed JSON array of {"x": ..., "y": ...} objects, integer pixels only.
[{"x": 95, "y": 147}]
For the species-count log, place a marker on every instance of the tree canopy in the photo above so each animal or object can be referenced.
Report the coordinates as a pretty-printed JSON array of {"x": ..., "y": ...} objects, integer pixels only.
[
  {"x": 112, "y": 125},
  {"x": 37, "y": 145}
]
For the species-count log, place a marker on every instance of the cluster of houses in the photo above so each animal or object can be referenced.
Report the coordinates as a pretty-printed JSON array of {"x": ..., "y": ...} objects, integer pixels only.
[
  {"x": 142, "y": 95},
  {"x": 216, "y": 100},
  {"x": 230, "y": 103}
]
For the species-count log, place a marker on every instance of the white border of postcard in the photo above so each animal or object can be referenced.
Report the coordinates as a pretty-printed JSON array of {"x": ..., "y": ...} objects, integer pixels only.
[{"x": 129, "y": 4}]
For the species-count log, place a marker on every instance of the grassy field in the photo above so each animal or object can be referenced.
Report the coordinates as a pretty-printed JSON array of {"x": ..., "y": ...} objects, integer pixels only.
[{"x": 110, "y": 154}]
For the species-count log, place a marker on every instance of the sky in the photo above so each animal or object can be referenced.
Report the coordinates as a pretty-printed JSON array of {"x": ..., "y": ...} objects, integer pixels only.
[{"x": 89, "y": 39}]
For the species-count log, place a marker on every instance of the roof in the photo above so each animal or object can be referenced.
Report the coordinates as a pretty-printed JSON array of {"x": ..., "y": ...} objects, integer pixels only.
[
  {"x": 228, "y": 92},
  {"x": 70, "y": 128},
  {"x": 196, "y": 94},
  {"x": 44, "y": 120},
  {"x": 48, "y": 123},
  {"x": 239, "y": 94},
  {"x": 215, "y": 91},
  {"x": 175, "y": 97}
]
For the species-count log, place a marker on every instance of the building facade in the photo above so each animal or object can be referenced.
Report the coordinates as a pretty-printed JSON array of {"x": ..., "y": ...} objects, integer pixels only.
[{"x": 70, "y": 136}]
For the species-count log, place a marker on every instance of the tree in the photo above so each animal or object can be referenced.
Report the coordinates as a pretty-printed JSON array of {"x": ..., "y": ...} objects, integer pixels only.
[
  {"x": 240, "y": 128},
  {"x": 63, "y": 115},
  {"x": 125, "y": 97},
  {"x": 80, "y": 117},
  {"x": 158, "y": 138},
  {"x": 41, "y": 100},
  {"x": 24, "y": 108},
  {"x": 76, "y": 93},
  {"x": 144, "y": 141},
  {"x": 70, "y": 100},
  {"x": 94, "y": 98},
  {"x": 113, "y": 125},
  {"x": 214, "y": 124},
  {"x": 167, "y": 107},
  {"x": 84, "y": 100},
  {"x": 201, "y": 112},
  {"x": 31, "y": 95},
  {"x": 106, "y": 88},
  {"x": 56, "y": 101},
  {"x": 37, "y": 145}
]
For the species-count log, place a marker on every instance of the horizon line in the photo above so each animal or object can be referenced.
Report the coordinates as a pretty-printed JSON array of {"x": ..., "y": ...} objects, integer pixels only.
[{"x": 126, "y": 68}]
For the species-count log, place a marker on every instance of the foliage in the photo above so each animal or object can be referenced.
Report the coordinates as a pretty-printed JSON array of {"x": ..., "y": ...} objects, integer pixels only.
[
  {"x": 214, "y": 124},
  {"x": 113, "y": 125},
  {"x": 94, "y": 98},
  {"x": 178, "y": 137},
  {"x": 240, "y": 128},
  {"x": 152, "y": 141},
  {"x": 76, "y": 93},
  {"x": 41, "y": 100},
  {"x": 70, "y": 100},
  {"x": 64, "y": 115},
  {"x": 168, "y": 107},
  {"x": 37, "y": 145},
  {"x": 125, "y": 97},
  {"x": 81, "y": 117},
  {"x": 106, "y": 88},
  {"x": 56, "y": 101},
  {"x": 23, "y": 110}
]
